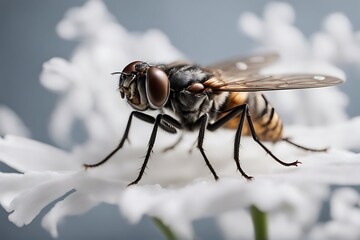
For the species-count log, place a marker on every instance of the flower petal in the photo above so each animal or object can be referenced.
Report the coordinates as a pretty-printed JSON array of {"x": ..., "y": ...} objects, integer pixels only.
[
  {"x": 90, "y": 192},
  {"x": 12, "y": 184},
  {"x": 343, "y": 135},
  {"x": 345, "y": 217},
  {"x": 10, "y": 123},
  {"x": 179, "y": 207},
  {"x": 28, "y": 204},
  {"x": 26, "y": 155}
]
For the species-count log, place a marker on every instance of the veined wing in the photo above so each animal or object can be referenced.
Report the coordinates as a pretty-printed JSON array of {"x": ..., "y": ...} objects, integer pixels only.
[
  {"x": 255, "y": 83},
  {"x": 245, "y": 65}
]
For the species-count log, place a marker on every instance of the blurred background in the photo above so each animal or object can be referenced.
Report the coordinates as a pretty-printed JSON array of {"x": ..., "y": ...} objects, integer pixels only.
[{"x": 205, "y": 31}]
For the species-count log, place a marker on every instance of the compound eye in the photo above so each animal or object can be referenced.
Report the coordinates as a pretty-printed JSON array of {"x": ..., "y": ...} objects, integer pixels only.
[
  {"x": 157, "y": 87},
  {"x": 196, "y": 88}
]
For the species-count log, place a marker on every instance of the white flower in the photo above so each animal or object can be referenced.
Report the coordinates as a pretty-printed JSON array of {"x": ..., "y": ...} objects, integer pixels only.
[
  {"x": 85, "y": 82},
  {"x": 10, "y": 123},
  {"x": 178, "y": 187},
  {"x": 276, "y": 31},
  {"x": 345, "y": 214}
]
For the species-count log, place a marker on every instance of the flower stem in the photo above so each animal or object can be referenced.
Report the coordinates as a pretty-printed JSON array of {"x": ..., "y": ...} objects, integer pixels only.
[
  {"x": 259, "y": 219},
  {"x": 165, "y": 229}
]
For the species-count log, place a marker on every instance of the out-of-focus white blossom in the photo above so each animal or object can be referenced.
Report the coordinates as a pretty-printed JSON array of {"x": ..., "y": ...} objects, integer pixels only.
[
  {"x": 276, "y": 31},
  {"x": 282, "y": 192},
  {"x": 178, "y": 188},
  {"x": 337, "y": 42},
  {"x": 84, "y": 82},
  {"x": 10, "y": 123},
  {"x": 345, "y": 217}
]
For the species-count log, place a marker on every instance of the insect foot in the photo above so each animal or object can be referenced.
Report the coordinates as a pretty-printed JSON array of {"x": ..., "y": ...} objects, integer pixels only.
[{"x": 296, "y": 163}]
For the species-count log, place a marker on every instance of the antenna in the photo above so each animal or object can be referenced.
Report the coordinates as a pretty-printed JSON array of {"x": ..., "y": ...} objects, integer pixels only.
[{"x": 114, "y": 73}]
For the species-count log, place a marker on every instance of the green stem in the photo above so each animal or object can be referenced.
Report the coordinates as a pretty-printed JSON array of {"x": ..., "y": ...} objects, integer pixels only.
[
  {"x": 165, "y": 229},
  {"x": 259, "y": 219}
]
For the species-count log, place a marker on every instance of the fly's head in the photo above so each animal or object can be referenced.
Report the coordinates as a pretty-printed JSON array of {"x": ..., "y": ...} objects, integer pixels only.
[{"x": 144, "y": 86}]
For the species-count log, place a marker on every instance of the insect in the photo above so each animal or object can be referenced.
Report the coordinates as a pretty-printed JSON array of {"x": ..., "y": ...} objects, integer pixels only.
[{"x": 226, "y": 94}]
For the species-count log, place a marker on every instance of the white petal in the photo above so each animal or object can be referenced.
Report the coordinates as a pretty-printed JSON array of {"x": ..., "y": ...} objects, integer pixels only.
[
  {"x": 335, "y": 230},
  {"x": 200, "y": 200},
  {"x": 82, "y": 21},
  {"x": 300, "y": 55},
  {"x": 251, "y": 25},
  {"x": 10, "y": 123},
  {"x": 345, "y": 206},
  {"x": 27, "y": 205},
  {"x": 151, "y": 200},
  {"x": 28, "y": 155},
  {"x": 244, "y": 228},
  {"x": 74, "y": 204},
  {"x": 77, "y": 105},
  {"x": 339, "y": 26},
  {"x": 89, "y": 193},
  {"x": 324, "y": 47},
  {"x": 279, "y": 11},
  {"x": 343, "y": 135},
  {"x": 58, "y": 75},
  {"x": 345, "y": 217},
  {"x": 12, "y": 184}
]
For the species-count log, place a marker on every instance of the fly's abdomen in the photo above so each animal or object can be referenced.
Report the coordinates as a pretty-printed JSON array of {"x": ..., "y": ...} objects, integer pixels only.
[{"x": 266, "y": 121}]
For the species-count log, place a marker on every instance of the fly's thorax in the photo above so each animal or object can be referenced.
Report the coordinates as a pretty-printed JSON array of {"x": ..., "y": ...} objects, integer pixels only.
[
  {"x": 189, "y": 107},
  {"x": 189, "y": 98},
  {"x": 182, "y": 76}
]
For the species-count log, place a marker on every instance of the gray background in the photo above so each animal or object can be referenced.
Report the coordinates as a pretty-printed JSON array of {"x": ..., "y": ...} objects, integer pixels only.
[{"x": 205, "y": 31}]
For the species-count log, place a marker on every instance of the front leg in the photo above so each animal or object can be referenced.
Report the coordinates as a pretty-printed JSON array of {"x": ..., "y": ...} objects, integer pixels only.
[
  {"x": 159, "y": 119},
  {"x": 139, "y": 115}
]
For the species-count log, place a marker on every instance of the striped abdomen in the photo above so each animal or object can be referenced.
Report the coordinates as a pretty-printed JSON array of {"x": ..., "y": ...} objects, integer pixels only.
[{"x": 268, "y": 125}]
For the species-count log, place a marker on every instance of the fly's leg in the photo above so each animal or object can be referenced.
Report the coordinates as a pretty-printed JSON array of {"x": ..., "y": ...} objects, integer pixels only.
[
  {"x": 139, "y": 115},
  {"x": 242, "y": 109},
  {"x": 203, "y": 126},
  {"x": 169, "y": 121},
  {"x": 172, "y": 123},
  {"x": 172, "y": 146},
  {"x": 150, "y": 147},
  {"x": 304, "y": 148},
  {"x": 256, "y": 139}
]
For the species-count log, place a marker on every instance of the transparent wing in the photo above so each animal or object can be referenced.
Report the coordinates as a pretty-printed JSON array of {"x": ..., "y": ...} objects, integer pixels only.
[
  {"x": 245, "y": 65},
  {"x": 179, "y": 62},
  {"x": 255, "y": 83}
]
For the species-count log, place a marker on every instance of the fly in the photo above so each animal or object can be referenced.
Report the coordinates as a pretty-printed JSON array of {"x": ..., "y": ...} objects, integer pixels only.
[{"x": 226, "y": 94}]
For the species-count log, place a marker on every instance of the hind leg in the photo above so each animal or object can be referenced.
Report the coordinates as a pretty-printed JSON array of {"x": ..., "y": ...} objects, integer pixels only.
[{"x": 304, "y": 148}]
